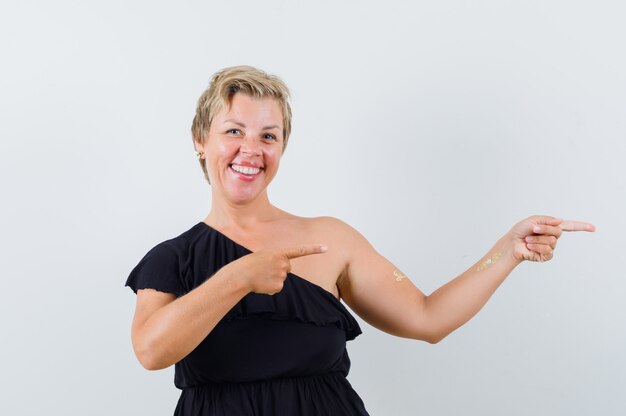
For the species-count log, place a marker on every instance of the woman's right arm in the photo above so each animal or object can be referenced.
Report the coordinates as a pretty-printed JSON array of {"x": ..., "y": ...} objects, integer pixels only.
[{"x": 165, "y": 328}]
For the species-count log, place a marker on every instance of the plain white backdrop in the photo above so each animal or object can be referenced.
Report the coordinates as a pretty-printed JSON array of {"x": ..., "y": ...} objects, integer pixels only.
[{"x": 431, "y": 127}]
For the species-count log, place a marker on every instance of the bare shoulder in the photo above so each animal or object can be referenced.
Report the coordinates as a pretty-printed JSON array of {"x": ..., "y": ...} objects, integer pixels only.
[
  {"x": 337, "y": 234},
  {"x": 340, "y": 237},
  {"x": 332, "y": 226}
]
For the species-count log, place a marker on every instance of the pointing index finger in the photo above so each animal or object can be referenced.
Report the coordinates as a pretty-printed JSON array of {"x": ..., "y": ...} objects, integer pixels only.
[
  {"x": 568, "y": 225},
  {"x": 305, "y": 250}
]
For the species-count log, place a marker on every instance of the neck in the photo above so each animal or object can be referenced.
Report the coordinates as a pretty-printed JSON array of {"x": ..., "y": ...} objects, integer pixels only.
[{"x": 225, "y": 214}]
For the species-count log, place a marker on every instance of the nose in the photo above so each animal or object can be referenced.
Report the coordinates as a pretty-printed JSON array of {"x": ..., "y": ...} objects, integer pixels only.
[{"x": 250, "y": 146}]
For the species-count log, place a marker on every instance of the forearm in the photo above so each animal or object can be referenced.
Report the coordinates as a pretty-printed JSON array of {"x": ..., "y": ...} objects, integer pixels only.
[
  {"x": 176, "y": 329},
  {"x": 459, "y": 300}
]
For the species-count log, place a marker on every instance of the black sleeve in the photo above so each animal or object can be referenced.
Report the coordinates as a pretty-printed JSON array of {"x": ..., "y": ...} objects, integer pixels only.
[{"x": 159, "y": 269}]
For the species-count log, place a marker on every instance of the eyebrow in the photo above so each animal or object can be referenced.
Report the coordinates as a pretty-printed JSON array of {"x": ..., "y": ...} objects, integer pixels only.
[{"x": 243, "y": 125}]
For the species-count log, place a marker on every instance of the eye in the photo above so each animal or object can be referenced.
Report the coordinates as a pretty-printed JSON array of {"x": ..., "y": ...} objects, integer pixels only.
[
  {"x": 233, "y": 131},
  {"x": 268, "y": 136}
]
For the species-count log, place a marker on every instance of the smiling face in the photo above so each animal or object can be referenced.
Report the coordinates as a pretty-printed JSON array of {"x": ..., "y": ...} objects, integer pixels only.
[{"x": 243, "y": 147}]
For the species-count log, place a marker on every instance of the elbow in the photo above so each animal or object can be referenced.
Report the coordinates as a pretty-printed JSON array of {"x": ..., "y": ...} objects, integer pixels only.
[
  {"x": 147, "y": 362},
  {"x": 434, "y": 338},
  {"x": 150, "y": 351},
  {"x": 431, "y": 328},
  {"x": 429, "y": 331},
  {"x": 432, "y": 335},
  {"x": 150, "y": 362},
  {"x": 429, "y": 337},
  {"x": 149, "y": 358}
]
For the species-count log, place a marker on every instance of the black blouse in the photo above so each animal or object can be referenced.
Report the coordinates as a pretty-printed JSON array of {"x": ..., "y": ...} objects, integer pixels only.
[{"x": 282, "y": 354}]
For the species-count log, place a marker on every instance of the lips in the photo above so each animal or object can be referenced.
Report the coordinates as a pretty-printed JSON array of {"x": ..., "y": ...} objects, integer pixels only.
[{"x": 244, "y": 172}]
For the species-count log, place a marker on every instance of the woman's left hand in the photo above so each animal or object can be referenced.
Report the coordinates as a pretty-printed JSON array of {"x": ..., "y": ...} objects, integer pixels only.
[{"x": 535, "y": 238}]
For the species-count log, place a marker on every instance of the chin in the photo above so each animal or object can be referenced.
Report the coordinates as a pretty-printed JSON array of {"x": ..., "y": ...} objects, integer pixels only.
[{"x": 241, "y": 196}]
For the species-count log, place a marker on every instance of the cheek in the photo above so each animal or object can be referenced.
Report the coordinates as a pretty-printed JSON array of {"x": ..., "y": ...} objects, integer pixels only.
[
  {"x": 273, "y": 161},
  {"x": 222, "y": 153},
  {"x": 273, "y": 154},
  {"x": 222, "y": 147}
]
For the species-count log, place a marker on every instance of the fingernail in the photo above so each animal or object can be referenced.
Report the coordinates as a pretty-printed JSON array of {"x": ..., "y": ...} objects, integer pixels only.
[
  {"x": 323, "y": 248},
  {"x": 537, "y": 229}
]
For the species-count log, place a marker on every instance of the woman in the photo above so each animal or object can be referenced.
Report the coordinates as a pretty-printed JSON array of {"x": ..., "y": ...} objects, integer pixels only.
[{"x": 246, "y": 303}]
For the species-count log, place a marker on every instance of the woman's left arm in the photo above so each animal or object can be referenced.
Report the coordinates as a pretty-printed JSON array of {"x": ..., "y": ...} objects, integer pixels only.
[{"x": 384, "y": 297}]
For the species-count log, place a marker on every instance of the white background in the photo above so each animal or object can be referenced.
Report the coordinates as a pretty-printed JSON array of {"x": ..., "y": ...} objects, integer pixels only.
[{"x": 431, "y": 127}]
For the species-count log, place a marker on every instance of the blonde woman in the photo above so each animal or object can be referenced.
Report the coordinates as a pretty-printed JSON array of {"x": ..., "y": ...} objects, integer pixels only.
[{"x": 247, "y": 302}]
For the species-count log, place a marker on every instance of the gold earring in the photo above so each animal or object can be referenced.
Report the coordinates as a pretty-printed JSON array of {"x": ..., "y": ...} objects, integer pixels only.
[{"x": 199, "y": 154}]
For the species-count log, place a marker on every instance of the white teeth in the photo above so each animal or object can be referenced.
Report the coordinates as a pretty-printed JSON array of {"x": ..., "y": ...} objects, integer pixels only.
[{"x": 246, "y": 170}]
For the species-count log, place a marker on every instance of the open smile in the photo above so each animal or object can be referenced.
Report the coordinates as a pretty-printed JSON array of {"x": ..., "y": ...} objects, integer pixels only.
[{"x": 246, "y": 173}]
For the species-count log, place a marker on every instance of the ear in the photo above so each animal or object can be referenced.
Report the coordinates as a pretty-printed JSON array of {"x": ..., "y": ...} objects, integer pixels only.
[{"x": 199, "y": 149}]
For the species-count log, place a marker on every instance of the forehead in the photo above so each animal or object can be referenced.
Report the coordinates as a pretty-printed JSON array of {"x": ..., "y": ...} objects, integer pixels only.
[{"x": 251, "y": 110}]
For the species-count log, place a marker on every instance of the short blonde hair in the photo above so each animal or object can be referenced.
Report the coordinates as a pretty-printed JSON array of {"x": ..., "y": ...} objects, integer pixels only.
[{"x": 224, "y": 85}]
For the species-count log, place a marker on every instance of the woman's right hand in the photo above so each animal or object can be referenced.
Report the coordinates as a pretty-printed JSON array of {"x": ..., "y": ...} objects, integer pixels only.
[{"x": 265, "y": 271}]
